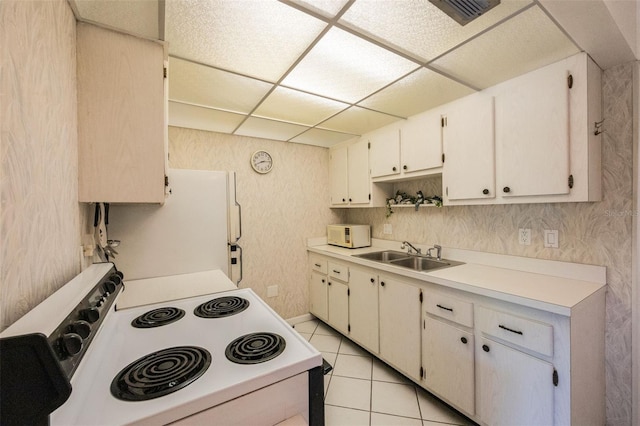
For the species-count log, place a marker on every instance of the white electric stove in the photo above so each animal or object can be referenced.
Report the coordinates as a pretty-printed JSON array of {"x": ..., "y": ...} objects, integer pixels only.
[{"x": 221, "y": 358}]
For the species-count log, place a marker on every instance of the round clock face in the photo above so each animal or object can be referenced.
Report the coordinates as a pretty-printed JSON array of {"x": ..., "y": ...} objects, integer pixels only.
[{"x": 261, "y": 162}]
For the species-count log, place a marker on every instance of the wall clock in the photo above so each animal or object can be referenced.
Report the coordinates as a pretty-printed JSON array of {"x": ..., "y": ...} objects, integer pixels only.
[{"x": 261, "y": 161}]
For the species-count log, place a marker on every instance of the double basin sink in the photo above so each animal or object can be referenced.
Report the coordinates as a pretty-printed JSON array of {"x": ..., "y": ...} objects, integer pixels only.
[{"x": 410, "y": 261}]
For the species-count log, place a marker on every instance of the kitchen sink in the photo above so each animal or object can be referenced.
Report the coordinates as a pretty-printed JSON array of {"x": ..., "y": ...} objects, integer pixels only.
[
  {"x": 409, "y": 261},
  {"x": 384, "y": 256},
  {"x": 421, "y": 263}
]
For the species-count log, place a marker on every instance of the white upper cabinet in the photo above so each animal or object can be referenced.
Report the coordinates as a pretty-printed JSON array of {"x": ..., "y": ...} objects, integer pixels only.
[
  {"x": 547, "y": 144},
  {"x": 385, "y": 151},
  {"x": 468, "y": 139},
  {"x": 121, "y": 117},
  {"x": 349, "y": 180},
  {"x": 421, "y": 144},
  {"x": 532, "y": 135}
]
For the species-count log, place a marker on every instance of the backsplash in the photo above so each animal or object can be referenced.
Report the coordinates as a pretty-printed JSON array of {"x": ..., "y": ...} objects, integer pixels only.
[
  {"x": 279, "y": 209},
  {"x": 41, "y": 219},
  {"x": 593, "y": 233}
]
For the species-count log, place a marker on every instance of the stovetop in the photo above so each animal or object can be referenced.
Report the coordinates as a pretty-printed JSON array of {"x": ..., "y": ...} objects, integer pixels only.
[{"x": 118, "y": 344}]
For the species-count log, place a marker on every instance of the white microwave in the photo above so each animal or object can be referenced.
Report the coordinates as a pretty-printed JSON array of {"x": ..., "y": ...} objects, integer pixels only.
[{"x": 350, "y": 236}]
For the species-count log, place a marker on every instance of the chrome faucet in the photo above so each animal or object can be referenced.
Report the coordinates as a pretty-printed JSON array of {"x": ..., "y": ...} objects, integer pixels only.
[
  {"x": 438, "y": 250},
  {"x": 407, "y": 243}
]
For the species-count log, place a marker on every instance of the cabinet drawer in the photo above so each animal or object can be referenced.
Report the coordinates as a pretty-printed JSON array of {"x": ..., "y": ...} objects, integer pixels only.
[
  {"x": 450, "y": 308},
  {"x": 524, "y": 332},
  {"x": 318, "y": 264},
  {"x": 339, "y": 272}
]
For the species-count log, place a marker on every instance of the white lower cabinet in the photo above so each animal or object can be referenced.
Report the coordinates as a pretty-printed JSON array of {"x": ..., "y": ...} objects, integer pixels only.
[
  {"x": 513, "y": 387},
  {"x": 448, "y": 359},
  {"x": 363, "y": 308},
  {"x": 498, "y": 362},
  {"x": 399, "y": 310},
  {"x": 318, "y": 302}
]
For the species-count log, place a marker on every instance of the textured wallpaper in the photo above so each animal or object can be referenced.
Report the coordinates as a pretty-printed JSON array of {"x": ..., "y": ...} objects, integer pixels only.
[
  {"x": 594, "y": 233},
  {"x": 279, "y": 209},
  {"x": 40, "y": 220}
]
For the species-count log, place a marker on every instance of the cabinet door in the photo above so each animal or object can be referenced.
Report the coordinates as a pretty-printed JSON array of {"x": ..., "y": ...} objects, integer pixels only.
[
  {"x": 532, "y": 134},
  {"x": 338, "y": 306},
  {"x": 363, "y": 308},
  {"x": 400, "y": 325},
  {"x": 338, "y": 176},
  {"x": 448, "y": 363},
  {"x": 358, "y": 172},
  {"x": 468, "y": 171},
  {"x": 513, "y": 388},
  {"x": 121, "y": 120},
  {"x": 385, "y": 152},
  {"x": 318, "y": 296},
  {"x": 421, "y": 142}
]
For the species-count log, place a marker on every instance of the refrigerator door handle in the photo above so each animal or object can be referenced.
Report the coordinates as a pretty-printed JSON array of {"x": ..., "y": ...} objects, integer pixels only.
[{"x": 240, "y": 261}]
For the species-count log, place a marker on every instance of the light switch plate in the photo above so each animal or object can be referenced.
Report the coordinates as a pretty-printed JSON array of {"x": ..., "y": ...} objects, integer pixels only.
[
  {"x": 272, "y": 291},
  {"x": 386, "y": 229},
  {"x": 551, "y": 238}
]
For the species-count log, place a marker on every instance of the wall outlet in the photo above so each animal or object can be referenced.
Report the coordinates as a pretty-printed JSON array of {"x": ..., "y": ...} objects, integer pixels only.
[
  {"x": 272, "y": 291},
  {"x": 524, "y": 236},
  {"x": 551, "y": 238},
  {"x": 386, "y": 229}
]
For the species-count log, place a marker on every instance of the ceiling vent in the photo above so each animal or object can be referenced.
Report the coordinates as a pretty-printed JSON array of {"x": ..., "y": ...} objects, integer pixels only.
[{"x": 465, "y": 11}]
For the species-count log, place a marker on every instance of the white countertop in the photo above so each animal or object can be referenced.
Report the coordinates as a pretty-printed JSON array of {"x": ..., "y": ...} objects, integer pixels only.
[
  {"x": 541, "y": 284},
  {"x": 173, "y": 287}
]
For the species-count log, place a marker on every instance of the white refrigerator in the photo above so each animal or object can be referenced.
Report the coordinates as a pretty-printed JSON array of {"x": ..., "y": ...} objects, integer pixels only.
[{"x": 195, "y": 231}]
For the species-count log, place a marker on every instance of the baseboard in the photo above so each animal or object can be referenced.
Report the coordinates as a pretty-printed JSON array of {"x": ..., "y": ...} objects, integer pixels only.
[{"x": 299, "y": 319}]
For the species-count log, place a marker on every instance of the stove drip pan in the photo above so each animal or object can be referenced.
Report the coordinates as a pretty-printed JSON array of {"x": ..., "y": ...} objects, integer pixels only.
[
  {"x": 221, "y": 307},
  {"x": 160, "y": 373},
  {"x": 254, "y": 348},
  {"x": 158, "y": 317}
]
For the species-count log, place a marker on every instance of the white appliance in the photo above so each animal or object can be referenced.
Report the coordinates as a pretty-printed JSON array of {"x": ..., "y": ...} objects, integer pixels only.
[
  {"x": 223, "y": 358},
  {"x": 197, "y": 229},
  {"x": 350, "y": 236}
]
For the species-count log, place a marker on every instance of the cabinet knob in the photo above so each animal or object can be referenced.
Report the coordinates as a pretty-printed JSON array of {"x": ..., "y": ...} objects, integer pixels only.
[
  {"x": 405, "y": 167},
  {"x": 350, "y": 200},
  {"x": 485, "y": 348},
  {"x": 394, "y": 168},
  {"x": 382, "y": 283},
  {"x": 329, "y": 283},
  {"x": 373, "y": 280},
  {"x": 506, "y": 189},
  {"x": 323, "y": 281},
  {"x": 463, "y": 340},
  {"x": 485, "y": 191},
  {"x": 344, "y": 199}
]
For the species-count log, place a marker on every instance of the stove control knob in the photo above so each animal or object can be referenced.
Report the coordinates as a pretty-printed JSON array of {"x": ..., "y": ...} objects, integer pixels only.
[
  {"x": 90, "y": 315},
  {"x": 70, "y": 344},
  {"x": 117, "y": 279},
  {"x": 109, "y": 286},
  {"x": 81, "y": 328}
]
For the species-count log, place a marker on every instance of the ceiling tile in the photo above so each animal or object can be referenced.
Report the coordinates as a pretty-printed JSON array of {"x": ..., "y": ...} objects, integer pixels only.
[
  {"x": 269, "y": 129},
  {"x": 327, "y": 8},
  {"x": 140, "y": 17},
  {"x": 202, "y": 85},
  {"x": 257, "y": 38},
  {"x": 357, "y": 121},
  {"x": 524, "y": 43},
  {"x": 418, "y": 27},
  {"x": 298, "y": 107},
  {"x": 320, "y": 137},
  {"x": 420, "y": 91},
  {"x": 194, "y": 117},
  {"x": 347, "y": 68}
]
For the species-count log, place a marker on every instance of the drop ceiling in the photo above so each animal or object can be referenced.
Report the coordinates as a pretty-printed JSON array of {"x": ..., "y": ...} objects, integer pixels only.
[{"x": 322, "y": 72}]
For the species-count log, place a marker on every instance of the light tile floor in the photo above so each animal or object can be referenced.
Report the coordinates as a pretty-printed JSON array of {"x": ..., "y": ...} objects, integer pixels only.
[{"x": 361, "y": 390}]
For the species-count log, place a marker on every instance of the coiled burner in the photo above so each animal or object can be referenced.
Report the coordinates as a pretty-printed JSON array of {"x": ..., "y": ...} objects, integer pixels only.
[
  {"x": 158, "y": 317},
  {"x": 160, "y": 373},
  {"x": 221, "y": 307},
  {"x": 254, "y": 348}
]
